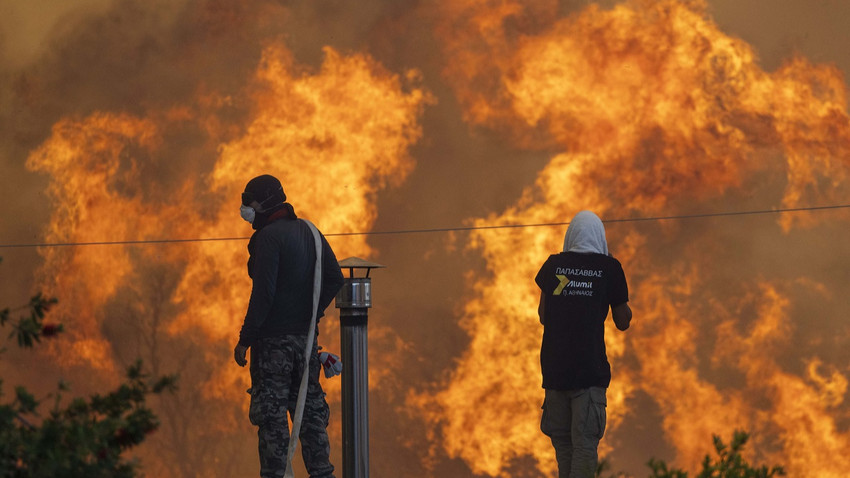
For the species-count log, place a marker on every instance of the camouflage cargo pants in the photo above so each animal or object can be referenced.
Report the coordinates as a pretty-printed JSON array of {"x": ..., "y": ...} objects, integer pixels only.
[{"x": 276, "y": 367}]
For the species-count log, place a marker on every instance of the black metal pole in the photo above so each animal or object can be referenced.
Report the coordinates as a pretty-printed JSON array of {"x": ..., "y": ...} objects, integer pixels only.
[
  {"x": 353, "y": 301},
  {"x": 355, "y": 392}
]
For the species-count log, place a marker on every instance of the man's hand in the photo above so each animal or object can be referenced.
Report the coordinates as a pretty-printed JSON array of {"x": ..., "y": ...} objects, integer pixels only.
[{"x": 239, "y": 355}]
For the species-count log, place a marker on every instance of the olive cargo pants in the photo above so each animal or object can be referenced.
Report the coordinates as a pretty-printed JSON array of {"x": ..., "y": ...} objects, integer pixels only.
[{"x": 575, "y": 422}]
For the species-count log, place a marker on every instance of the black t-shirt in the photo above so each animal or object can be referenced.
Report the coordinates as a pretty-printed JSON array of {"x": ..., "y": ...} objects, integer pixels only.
[{"x": 577, "y": 291}]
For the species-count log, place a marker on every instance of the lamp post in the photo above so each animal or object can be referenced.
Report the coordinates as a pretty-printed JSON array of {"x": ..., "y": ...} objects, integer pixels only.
[{"x": 354, "y": 301}]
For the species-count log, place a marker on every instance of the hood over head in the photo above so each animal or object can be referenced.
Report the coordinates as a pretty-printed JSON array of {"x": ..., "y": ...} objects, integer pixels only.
[{"x": 586, "y": 234}]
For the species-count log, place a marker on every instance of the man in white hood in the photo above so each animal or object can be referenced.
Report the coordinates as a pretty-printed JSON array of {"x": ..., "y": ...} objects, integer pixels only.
[{"x": 577, "y": 287}]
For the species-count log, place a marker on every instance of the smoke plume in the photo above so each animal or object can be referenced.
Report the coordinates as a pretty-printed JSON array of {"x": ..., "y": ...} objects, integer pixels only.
[{"x": 142, "y": 121}]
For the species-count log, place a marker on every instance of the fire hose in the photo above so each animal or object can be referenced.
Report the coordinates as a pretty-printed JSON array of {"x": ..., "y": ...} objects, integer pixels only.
[{"x": 308, "y": 353}]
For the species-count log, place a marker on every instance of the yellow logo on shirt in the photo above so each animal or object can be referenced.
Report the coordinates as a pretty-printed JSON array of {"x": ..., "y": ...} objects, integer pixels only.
[
  {"x": 575, "y": 287},
  {"x": 563, "y": 283}
]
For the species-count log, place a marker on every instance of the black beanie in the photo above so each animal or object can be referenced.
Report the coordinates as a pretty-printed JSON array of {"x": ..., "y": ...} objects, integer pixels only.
[{"x": 266, "y": 190}]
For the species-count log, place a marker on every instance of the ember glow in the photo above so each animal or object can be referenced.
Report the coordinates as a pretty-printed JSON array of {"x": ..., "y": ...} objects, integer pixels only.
[{"x": 646, "y": 108}]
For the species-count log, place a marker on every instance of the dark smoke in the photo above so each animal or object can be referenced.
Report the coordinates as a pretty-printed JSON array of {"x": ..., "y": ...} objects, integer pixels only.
[{"x": 132, "y": 56}]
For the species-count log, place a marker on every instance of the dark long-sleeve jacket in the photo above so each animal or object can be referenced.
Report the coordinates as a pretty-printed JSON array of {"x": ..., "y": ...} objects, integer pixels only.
[{"x": 281, "y": 265}]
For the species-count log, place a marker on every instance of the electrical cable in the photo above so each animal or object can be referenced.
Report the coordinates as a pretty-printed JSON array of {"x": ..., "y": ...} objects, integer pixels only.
[{"x": 441, "y": 229}]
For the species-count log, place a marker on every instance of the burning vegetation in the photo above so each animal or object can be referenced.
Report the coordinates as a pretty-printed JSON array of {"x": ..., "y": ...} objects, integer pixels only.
[{"x": 644, "y": 109}]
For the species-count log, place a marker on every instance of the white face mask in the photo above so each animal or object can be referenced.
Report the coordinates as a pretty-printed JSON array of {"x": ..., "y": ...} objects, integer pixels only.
[{"x": 247, "y": 213}]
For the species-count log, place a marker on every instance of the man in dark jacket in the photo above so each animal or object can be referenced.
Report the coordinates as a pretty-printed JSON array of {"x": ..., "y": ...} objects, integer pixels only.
[
  {"x": 577, "y": 287},
  {"x": 282, "y": 259}
]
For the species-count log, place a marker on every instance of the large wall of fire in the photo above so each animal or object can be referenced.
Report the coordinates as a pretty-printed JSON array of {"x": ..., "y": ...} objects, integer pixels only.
[{"x": 133, "y": 121}]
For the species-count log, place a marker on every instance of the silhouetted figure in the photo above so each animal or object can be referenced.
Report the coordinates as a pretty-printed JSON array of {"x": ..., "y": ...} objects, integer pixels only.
[
  {"x": 577, "y": 286},
  {"x": 281, "y": 264}
]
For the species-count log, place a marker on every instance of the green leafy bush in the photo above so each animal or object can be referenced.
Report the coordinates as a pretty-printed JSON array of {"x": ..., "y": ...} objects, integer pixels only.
[
  {"x": 80, "y": 437},
  {"x": 728, "y": 464}
]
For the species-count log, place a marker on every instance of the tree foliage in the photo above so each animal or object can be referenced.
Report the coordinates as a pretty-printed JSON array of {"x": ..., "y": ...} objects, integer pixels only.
[
  {"x": 728, "y": 464},
  {"x": 79, "y": 437}
]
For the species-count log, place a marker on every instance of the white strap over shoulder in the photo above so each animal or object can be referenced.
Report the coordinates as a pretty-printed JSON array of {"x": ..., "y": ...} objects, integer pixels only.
[{"x": 308, "y": 352}]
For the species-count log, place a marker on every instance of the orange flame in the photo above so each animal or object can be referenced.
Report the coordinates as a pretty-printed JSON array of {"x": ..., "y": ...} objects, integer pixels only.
[
  {"x": 322, "y": 137},
  {"x": 95, "y": 190},
  {"x": 334, "y": 137},
  {"x": 650, "y": 110},
  {"x": 656, "y": 110}
]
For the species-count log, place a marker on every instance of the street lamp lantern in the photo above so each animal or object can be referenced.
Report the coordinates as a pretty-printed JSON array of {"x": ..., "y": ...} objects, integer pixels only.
[{"x": 354, "y": 301}]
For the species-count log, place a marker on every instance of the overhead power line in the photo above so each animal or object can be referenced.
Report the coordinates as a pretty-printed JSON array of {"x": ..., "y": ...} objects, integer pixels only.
[{"x": 442, "y": 229}]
